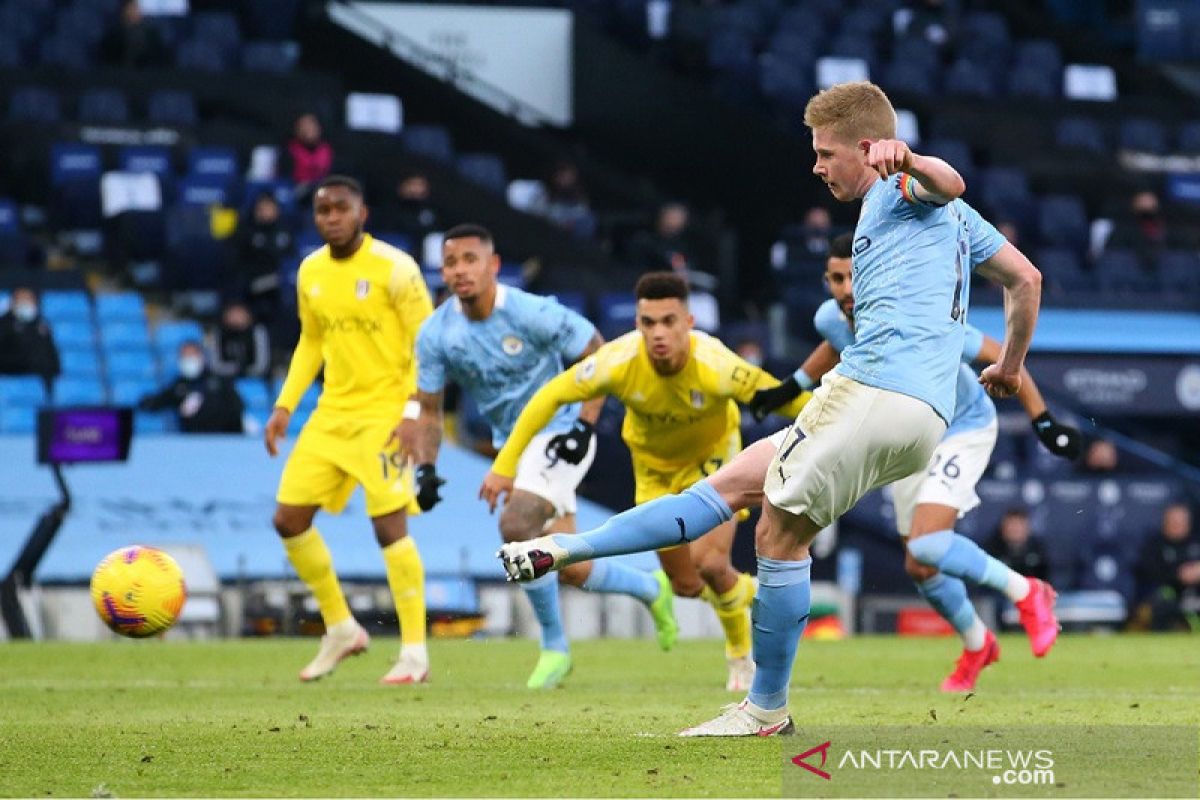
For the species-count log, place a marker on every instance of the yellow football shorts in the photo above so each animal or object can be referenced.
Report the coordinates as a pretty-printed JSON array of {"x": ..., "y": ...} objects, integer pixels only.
[
  {"x": 651, "y": 482},
  {"x": 334, "y": 454}
]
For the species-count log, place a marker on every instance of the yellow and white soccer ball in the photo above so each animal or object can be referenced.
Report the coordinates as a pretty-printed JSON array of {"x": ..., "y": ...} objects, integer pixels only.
[{"x": 138, "y": 591}]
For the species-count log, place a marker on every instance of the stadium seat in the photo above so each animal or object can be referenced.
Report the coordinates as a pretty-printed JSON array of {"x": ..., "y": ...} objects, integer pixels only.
[
  {"x": 1179, "y": 270},
  {"x": 219, "y": 28},
  {"x": 1120, "y": 270},
  {"x": 617, "y": 313},
  {"x": 431, "y": 141},
  {"x": 984, "y": 30},
  {"x": 133, "y": 364},
  {"x": 1061, "y": 270},
  {"x": 204, "y": 191},
  {"x": 79, "y": 363},
  {"x": 281, "y": 189},
  {"x": 1005, "y": 190},
  {"x": 86, "y": 26},
  {"x": 1143, "y": 134},
  {"x": 783, "y": 83},
  {"x": 11, "y": 50},
  {"x": 853, "y": 46},
  {"x": 953, "y": 151},
  {"x": 73, "y": 334},
  {"x": 862, "y": 22},
  {"x": 120, "y": 307},
  {"x": 195, "y": 261},
  {"x": 62, "y": 49},
  {"x": 968, "y": 79},
  {"x": 127, "y": 392},
  {"x": 396, "y": 239},
  {"x": 1164, "y": 32},
  {"x": 124, "y": 336},
  {"x": 21, "y": 390},
  {"x": 794, "y": 47},
  {"x": 484, "y": 169},
  {"x": 1189, "y": 138},
  {"x": 61, "y": 306},
  {"x": 21, "y": 22},
  {"x": 75, "y": 182},
  {"x": 155, "y": 159},
  {"x": 271, "y": 19},
  {"x": 168, "y": 336},
  {"x": 1030, "y": 81},
  {"x": 1080, "y": 133},
  {"x": 576, "y": 301},
  {"x": 908, "y": 77},
  {"x": 175, "y": 108},
  {"x": 103, "y": 107},
  {"x": 18, "y": 419},
  {"x": 276, "y": 57},
  {"x": 744, "y": 19},
  {"x": 253, "y": 392},
  {"x": 200, "y": 55},
  {"x": 69, "y": 391},
  {"x": 34, "y": 104},
  {"x": 731, "y": 51},
  {"x": 1063, "y": 222},
  {"x": 222, "y": 161},
  {"x": 154, "y": 422}
]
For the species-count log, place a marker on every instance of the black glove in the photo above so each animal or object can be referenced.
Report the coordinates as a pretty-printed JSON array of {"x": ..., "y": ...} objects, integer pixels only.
[
  {"x": 767, "y": 400},
  {"x": 1062, "y": 440},
  {"x": 428, "y": 484},
  {"x": 571, "y": 446}
]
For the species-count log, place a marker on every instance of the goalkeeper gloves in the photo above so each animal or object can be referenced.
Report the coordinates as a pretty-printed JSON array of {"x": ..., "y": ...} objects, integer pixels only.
[
  {"x": 571, "y": 446},
  {"x": 428, "y": 484},
  {"x": 1062, "y": 440},
  {"x": 765, "y": 401}
]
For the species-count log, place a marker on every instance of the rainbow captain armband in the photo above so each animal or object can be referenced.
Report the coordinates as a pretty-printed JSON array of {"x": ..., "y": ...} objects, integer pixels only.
[{"x": 908, "y": 188}]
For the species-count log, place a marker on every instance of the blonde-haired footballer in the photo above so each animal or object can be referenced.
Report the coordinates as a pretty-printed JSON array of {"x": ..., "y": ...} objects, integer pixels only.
[
  {"x": 680, "y": 389},
  {"x": 361, "y": 302}
]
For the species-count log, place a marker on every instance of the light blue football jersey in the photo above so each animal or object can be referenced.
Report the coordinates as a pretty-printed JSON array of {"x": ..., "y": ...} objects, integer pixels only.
[
  {"x": 911, "y": 285},
  {"x": 502, "y": 360},
  {"x": 973, "y": 409}
]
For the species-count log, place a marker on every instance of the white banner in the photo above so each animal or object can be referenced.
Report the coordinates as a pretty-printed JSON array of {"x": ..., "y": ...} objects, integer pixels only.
[{"x": 517, "y": 60}]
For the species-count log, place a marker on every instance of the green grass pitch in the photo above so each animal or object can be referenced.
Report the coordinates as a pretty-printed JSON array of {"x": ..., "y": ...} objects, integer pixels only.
[{"x": 229, "y": 718}]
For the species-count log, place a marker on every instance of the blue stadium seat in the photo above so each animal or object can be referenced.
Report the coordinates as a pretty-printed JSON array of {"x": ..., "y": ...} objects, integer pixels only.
[
  {"x": 484, "y": 169},
  {"x": 803, "y": 20},
  {"x": 276, "y": 57},
  {"x": 908, "y": 77},
  {"x": 154, "y": 422},
  {"x": 967, "y": 78},
  {"x": 21, "y": 390},
  {"x": 1081, "y": 133},
  {"x": 11, "y": 50},
  {"x": 169, "y": 107},
  {"x": 120, "y": 307},
  {"x": 984, "y": 29},
  {"x": 617, "y": 313},
  {"x": 795, "y": 48},
  {"x": 75, "y": 181},
  {"x": 1179, "y": 270},
  {"x": 1189, "y": 138},
  {"x": 219, "y": 28},
  {"x": 79, "y": 363},
  {"x": 134, "y": 364},
  {"x": 151, "y": 158},
  {"x": 396, "y": 239},
  {"x": 862, "y": 22},
  {"x": 1063, "y": 222},
  {"x": 851, "y": 46},
  {"x": 744, "y": 19},
  {"x": 955, "y": 152},
  {"x": 70, "y": 391},
  {"x": 18, "y": 419},
  {"x": 205, "y": 190},
  {"x": 576, "y": 301},
  {"x": 195, "y": 261},
  {"x": 85, "y": 25},
  {"x": 783, "y": 83},
  {"x": 915, "y": 50},
  {"x": 731, "y": 51},
  {"x": 431, "y": 141},
  {"x": 1139, "y": 133},
  {"x": 201, "y": 56},
  {"x": 222, "y": 161},
  {"x": 127, "y": 392},
  {"x": 280, "y": 188},
  {"x": 73, "y": 333},
  {"x": 1062, "y": 271},
  {"x": 59, "y": 306},
  {"x": 1005, "y": 189},
  {"x": 103, "y": 107},
  {"x": 1030, "y": 81},
  {"x": 20, "y": 22},
  {"x": 168, "y": 336},
  {"x": 1043, "y": 54},
  {"x": 63, "y": 49},
  {"x": 124, "y": 336},
  {"x": 1165, "y": 30},
  {"x": 1120, "y": 270},
  {"x": 34, "y": 104},
  {"x": 253, "y": 392}
]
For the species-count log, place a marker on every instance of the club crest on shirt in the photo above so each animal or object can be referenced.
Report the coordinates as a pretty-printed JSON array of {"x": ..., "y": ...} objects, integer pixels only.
[
  {"x": 586, "y": 371},
  {"x": 511, "y": 345},
  {"x": 362, "y": 288},
  {"x": 697, "y": 398},
  {"x": 314, "y": 290}
]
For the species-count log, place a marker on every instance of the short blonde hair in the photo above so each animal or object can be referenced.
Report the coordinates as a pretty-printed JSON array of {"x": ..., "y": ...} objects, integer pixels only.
[{"x": 852, "y": 111}]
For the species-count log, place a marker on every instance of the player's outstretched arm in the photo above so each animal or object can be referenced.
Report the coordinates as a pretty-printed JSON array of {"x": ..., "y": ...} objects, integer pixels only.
[
  {"x": 766, "y": 400},
  {"x": 936, "y": 181},
  {"x": 572, "y": 446},
  {"x": 1022, "y": 296}
]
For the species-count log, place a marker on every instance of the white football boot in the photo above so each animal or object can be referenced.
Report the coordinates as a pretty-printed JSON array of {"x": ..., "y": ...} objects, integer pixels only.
[
  {"x": 341, "y": 641},
  {"x": 411, "y": 667},
  {"x": 527, "y": 561},
  {"x": 745, "y": 719}
]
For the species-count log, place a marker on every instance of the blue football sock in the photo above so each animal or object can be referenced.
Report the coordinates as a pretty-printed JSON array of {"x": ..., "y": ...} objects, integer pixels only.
[
  {"x": 610, "y": 578},
  {"x": 948, "y": 596},
  {"x": 668, "y": 521},
  {"x": 779, "y": 615},
  {"x": 957, "y": 555},
  {"x": 543, "y": 595}
]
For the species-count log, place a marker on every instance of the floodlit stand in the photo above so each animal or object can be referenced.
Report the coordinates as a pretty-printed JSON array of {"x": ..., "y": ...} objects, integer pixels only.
[{"x": 21, "y": 574}]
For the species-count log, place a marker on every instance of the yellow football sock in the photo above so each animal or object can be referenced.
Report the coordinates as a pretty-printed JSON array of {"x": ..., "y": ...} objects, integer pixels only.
[
  {"x": 406, "y": 577},
  {"x": 732, "y": 609},
  {"x": 310, "y": 557}
]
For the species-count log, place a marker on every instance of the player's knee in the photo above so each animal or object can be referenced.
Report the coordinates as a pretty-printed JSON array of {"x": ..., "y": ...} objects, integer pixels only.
[
  {"x": 687, "y": 585},
  {"x": 517, "y": 528},
  {"x": 288, "y": 523},
  {"x": 713, "y": 566}
]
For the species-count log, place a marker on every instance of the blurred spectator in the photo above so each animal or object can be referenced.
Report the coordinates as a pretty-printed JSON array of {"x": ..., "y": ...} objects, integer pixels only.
[
  {"x": 264, "y": 241},
  {"x": 1144, "y": 230},
  {"x": 1101, "y": 457},
  {"x": 26, "y": 344},
  {"x": 809, "y": 239},
  {"x": 411, "y": 211},
  {"x": 567, "y": 203},
  {"x": 133, "y": 42},
  {"x": 934, "y": 21},
  {"x": 311, "y": 155},
  {"x": 669, "y": 245},
  {"x": 1168, "y": 572},
  {"x": 241, "y": 346},
  {"x": 1013, "y": 545},
  {"x": 206, "y": 402}
]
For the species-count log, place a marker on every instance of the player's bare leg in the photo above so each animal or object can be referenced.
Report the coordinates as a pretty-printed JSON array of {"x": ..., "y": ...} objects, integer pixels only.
[
  {"x": 731, "y": 594},
  {"x": 406, "y": 579},
  {"x": 313, "y": 564},
  {"x": 948, "y": 596}
]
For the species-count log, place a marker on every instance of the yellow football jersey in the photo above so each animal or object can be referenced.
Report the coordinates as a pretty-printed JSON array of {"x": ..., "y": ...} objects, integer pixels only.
[
  {"x": 670, "y": 420},
  {"x": 359, "y": 316}
]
